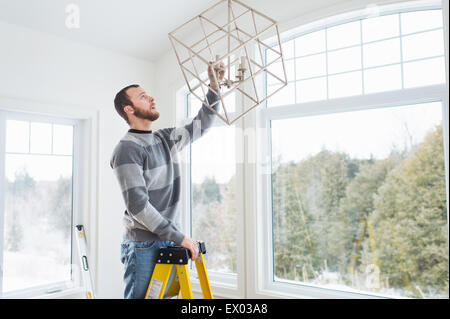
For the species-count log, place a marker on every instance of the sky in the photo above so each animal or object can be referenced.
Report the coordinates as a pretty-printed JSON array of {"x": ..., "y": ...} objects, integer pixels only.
[
  {"x": 362, "y": 134},
  {"x": 44, "y": 150}
]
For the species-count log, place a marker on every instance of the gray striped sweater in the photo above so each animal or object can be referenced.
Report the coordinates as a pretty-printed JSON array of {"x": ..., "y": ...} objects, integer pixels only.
[{"x": 148, "y": 172}]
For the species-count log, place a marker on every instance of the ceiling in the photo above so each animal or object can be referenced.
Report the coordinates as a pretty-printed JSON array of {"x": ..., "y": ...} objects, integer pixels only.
[{"x": 136, "y": 28}]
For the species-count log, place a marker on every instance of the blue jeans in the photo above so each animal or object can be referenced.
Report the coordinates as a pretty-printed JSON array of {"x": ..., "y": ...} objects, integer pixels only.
[{"x": 138, "y": 258}]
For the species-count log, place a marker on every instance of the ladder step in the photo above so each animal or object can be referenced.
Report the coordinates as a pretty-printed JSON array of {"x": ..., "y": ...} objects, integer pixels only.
[{"x": 177, "y": 255}]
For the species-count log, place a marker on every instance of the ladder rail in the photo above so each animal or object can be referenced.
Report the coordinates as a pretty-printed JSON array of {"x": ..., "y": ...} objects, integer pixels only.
[
  {"x": 203, "y": 277},
  {"x": 178, "y": 257},
  {"x": 84, "y": 265}
]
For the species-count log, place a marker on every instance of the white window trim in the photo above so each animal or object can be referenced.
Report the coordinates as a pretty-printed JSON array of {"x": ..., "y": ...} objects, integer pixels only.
[{"x": 84, "y": 197}]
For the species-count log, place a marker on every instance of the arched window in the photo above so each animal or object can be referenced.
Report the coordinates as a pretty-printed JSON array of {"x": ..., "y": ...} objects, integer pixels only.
[{"x": 384, "y": 53}]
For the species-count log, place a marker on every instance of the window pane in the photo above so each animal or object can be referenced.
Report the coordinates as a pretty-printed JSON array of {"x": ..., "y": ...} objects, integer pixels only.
[
  {"x": 310, "y": 43},
  {"x": 381, "y": 53},
  {"x": 17, "y": 136},
  {"x": 383, "y": 79},
  {"x": 38, "y": 212},
  {"x": 360, "y": 204},
  {"x": 288, "y": 49},
  {"x": 230, "y": 102},
  {"x": 312, "y": 90},
  {"x": 421, "y": 20},
  {"x": 214, "y": 197},
  {"x": 426, "y": 72},
  {"x": 62, "y": 139},
  {"x": 344, "y": 60},
  {"x": 285, "y": 96},
  {"x": 344, "y": 35},
  {"x": 196, "y": 104},
  {"x": 423, "y": 45},
  {"x": 41, "y": 138},
  {"x": 277, "y": 69},
  {"x": 380, "y": 27},
  {"x": 346, "y": 84},
  {"x": 310, "y": 66}
]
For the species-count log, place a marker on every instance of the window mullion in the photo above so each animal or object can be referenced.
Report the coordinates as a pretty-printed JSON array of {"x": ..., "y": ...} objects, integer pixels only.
[
  {"x": 326, "y": 61},
  {"x": 401, "y": 50},
  {"x": 362, "y": 56}
]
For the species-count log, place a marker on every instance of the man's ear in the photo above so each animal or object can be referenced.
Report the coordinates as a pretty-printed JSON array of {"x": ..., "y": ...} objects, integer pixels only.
[{"x": 128, "y": 109}]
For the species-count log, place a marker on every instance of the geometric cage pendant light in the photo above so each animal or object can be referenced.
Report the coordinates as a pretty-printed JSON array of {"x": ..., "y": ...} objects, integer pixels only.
[{"x": 234, "y": 35}]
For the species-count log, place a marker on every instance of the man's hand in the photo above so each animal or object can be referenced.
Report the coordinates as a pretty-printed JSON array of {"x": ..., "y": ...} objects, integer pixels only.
[
  {"x": 212, "y": 82},
  {"x": 192, "y": 245}
]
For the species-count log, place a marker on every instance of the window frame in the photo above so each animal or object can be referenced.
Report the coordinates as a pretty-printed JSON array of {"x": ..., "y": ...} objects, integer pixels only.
[
  {"x": 264, "y": 285},
  {"x": 358, "y": 103},
  {"x": 84, "y": 122},
  {"x": 225, "y": 284}
]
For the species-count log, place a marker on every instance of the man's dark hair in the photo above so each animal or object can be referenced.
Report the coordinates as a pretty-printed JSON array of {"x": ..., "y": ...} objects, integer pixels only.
[{"x": 122, "y": 99}]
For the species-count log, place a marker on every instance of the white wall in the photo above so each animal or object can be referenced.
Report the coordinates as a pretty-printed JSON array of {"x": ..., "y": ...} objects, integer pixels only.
[{"x": 48, "y": 72}]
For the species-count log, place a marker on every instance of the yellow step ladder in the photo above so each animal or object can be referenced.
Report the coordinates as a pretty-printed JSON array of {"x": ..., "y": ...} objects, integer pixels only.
[{"x": 178, "y": 257}]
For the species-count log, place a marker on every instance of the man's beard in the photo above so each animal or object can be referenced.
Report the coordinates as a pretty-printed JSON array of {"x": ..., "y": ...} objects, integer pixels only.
[{"x": 146, "y": 115}]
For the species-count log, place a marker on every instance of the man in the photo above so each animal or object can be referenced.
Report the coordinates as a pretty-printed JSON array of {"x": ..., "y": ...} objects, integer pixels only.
[{"x": 149, "y": 177}]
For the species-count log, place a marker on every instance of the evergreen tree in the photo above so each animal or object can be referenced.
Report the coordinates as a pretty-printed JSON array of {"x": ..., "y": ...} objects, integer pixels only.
[
  {"x": 307, "y": 227},
  {"x": 61, "y": 205},
  {"x": 211, "y": 191},
  {"x": 14, "y": 234},
  {"x": 214, "y": 221},
  {"x": 355, "y": 208},
  {"x": 410, "y": 221},
  {"x": 18, "y": 193}
]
